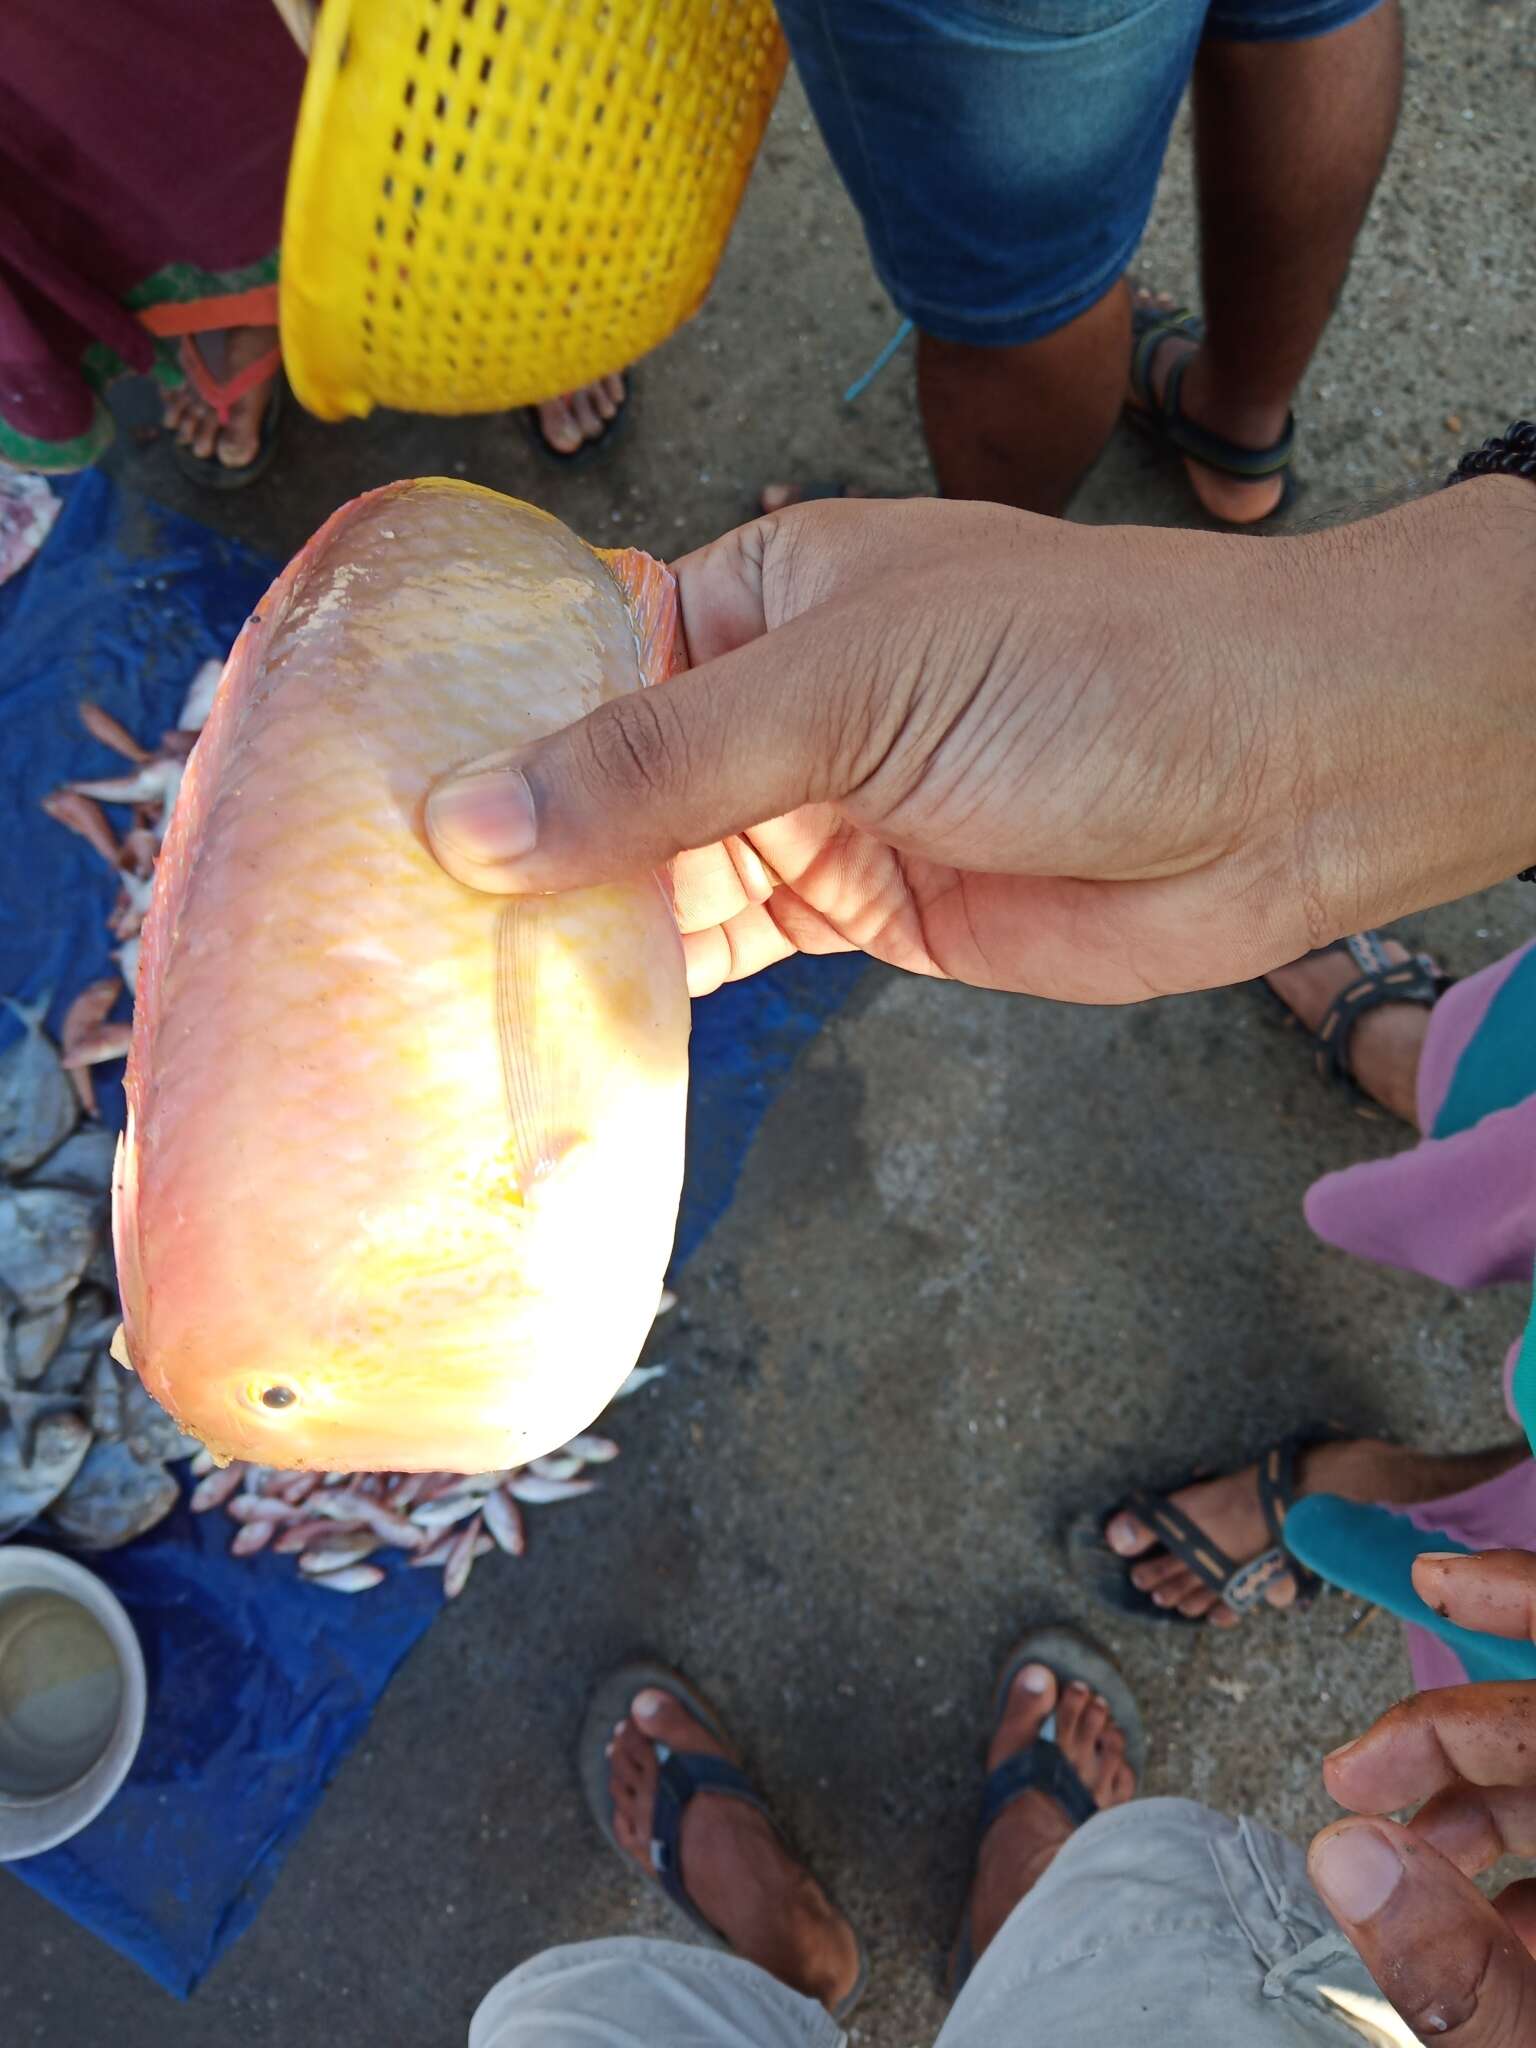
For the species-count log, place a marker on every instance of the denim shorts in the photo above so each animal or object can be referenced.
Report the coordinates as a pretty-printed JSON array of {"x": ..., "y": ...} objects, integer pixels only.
[{"x": 1004, "y": 154}]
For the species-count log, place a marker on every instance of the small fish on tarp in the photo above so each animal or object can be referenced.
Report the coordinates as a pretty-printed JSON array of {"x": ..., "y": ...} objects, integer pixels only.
[
  {"x": 148, "y": 1430},
  {"x": 112, "y": 1498},
  {"x": 25, "y": 1412},
  {"x": 47, "y": 1236},
  {"x": 37, "y": 1102},
  {"x": 28, "y": 508},
  {"x": 103, "y": 1393},
  {"x": 91, "y": 1323},
  {"x": 82, "y": 1163},
  {"x": 59, "y": 1448},
  {"x": 29, "y": 1343}
]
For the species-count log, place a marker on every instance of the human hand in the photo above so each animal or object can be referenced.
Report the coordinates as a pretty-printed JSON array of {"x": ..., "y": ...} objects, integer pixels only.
[
  {"x": 1091, "y": 763},
  {"x": 1458, "y": 1967}
]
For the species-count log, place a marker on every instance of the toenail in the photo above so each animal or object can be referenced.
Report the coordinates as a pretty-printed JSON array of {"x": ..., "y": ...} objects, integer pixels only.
[
  {"x": 1120, "y": 1536},
  {"x": 608, "y": 1752},
  {"x": 1035, "y": 1678},
  {"x": 618, "y": 1728},
  {"x": 647, "y": 1705},
  {"x": 1077, "y": 1690}
]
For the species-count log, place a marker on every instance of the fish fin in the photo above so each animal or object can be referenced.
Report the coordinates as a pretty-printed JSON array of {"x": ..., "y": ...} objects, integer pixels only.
[
  {"x": 650, "y": 592},
  {"x": 535, "y": 1068},
  {"x": 118, "y": 1348},
  {"x": 29, "y": 1015}
]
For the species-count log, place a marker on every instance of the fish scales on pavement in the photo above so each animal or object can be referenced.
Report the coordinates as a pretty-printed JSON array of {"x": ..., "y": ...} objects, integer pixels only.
[{"x": 402, "y": 1163}]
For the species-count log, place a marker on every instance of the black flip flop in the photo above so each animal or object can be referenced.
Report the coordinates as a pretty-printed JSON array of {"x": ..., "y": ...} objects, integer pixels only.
[
  {"x": 212, "y": 475},
  {"x": 1042, "y": 1767},
  {"x": 1165, "y": 420},
  {"x": 1107, "y": 1575},
  {"x": 1414, "y": 980},
  {"x": 588, "y": 449},
  {"x": 682, "y": 1774}
]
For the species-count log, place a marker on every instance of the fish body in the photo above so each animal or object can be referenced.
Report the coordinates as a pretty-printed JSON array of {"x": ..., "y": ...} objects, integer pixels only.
[
  {"x": 29, "y": 1484},
  {"x": 402, "y": 1162},
  {"x": 47, "y": 1236},
  {"x": 37, "y": 1103}
]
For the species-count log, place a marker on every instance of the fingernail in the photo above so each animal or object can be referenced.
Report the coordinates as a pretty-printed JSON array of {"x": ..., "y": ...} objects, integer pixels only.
[
  {"x": 483, "y": 813},
  {"x": 648, "y": 1704},
  {"x": 1343, "y": 1750},
  {"x": 1440, "y": 1557},
  {"x": 1357, "y": 1871},
  {"x": 1035, "y": 1678}
]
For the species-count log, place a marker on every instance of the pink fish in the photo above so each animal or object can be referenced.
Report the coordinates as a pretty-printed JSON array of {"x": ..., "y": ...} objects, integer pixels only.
[{"x": 402, "y": 1162}]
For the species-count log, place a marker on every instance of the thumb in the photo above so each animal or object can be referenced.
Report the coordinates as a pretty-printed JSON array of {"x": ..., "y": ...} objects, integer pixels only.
[
  {"x": 714, "y": 751},
  {"x": 1443, "y": 1955}
]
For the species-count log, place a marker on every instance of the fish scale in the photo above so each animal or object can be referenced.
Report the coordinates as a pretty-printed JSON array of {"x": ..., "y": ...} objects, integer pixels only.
[{"x": 333, "y": 1191}]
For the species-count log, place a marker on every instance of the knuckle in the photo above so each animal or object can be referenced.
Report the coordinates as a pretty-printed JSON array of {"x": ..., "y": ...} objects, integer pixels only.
[{"x": 634, "y": 750}]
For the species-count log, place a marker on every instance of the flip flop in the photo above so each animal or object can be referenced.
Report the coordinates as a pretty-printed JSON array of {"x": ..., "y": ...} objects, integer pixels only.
[
  {"x": 1042, "y": 1767},
  {"x": 207, "y": 470},
  {"x": 682, "y": 1774},
  {"x": 1107, "y": 1575},
  {"x": 1165, "y": 420},
  {"x": 588, "y": 449}
]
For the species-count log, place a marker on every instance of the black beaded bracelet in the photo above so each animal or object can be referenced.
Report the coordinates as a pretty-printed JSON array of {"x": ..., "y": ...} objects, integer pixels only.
[{"x": 1509, "y": 454}]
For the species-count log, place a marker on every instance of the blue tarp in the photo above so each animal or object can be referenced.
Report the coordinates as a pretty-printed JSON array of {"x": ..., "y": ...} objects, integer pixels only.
[{"x": 259, "y": 1684}]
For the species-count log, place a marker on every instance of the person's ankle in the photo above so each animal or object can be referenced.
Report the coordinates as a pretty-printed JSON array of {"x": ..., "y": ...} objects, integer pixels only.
[{"x": 1235, "y": 413}]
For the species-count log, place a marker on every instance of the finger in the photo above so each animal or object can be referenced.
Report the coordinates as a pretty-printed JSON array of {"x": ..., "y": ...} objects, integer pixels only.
[
  {"x": 1517, "y": 1906},
  {"x": 1457, "y": 1734},
  {"x": 1473, "y": 1828},
  {"x": 712, "y": 752},
  {"x": 1493, "y": 1594},
  {"x": 1442, "y": 1955}
]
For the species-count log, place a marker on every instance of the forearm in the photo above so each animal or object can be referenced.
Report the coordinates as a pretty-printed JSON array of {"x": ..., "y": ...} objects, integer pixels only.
[{"x": 1415, "y": 727}]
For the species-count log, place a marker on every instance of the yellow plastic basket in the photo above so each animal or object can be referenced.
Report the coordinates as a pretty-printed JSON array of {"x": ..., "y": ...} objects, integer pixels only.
[{"x": 492, "y": 201}]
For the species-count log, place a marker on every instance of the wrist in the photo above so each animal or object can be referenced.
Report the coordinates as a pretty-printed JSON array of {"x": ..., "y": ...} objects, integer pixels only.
[{"x": 1416, "y": 703}]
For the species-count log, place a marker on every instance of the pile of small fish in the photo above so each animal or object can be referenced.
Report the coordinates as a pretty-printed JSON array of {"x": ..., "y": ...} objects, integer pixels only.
[
  {"x": 28, "y": 508},
  {"x": 334, "y": 1522},
  {"x": 80, "y": 1441}
]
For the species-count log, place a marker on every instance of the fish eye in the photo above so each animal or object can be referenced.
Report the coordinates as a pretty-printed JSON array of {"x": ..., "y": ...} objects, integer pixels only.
[{"x": 278, "y": 1397}]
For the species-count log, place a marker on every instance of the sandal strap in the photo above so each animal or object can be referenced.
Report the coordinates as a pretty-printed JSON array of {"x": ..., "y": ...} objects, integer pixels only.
[
  {"x": 224, "y": 395},
  {"x": 682, "y": 1774},
  {"x": 1151, "y": 329},
  {"x": 1215, "y": 451},
  {"x": 1184, "y": 1539},
  {"x": 1415, "y": 980},
  {"x": 1040, "y": 1768}
]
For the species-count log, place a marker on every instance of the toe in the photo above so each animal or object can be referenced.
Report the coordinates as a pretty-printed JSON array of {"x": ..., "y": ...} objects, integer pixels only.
[
  {"x": 558, "y": 426},
  {"x": 238, "y": 442},
  {"x": 1282, "y": 1593},
  {"x": 615, "y": 387},
  {"x": 778, "y": 497},
  {"x": 1196, "y": 1604},
  {"x": 658, "y": 1717},
  {"x": 1127, "y": 1536},
  {"x": 1031, "y": 1697},
  {"x": 1155, "y": 1573},
  {"x": 1222, "y": 1616},
  {"x": 604, "y": 400},
  {"x": 1070, "y": 1710},
  {"x": 205, "y": 434},
  {"x": 586, "y": 415}
]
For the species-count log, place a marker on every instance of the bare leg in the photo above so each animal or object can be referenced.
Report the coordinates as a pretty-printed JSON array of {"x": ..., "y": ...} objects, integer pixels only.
[
  {"x": 1290, "y": 141},
  {"x": 1023, "y": 426}
]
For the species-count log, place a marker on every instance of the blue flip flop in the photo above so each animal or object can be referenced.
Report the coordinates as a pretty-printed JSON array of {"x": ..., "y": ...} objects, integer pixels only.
[
  {"x": 683, "y": 1773},
  {"x": 1042, "y": 1767}
]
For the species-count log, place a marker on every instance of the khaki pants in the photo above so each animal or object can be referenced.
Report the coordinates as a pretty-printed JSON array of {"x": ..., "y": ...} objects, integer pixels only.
[{"x": 1159, "y": 1925}]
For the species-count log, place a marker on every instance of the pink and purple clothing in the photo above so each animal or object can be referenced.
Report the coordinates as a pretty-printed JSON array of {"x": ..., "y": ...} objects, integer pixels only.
[{"x": 1460, "y": 1208}]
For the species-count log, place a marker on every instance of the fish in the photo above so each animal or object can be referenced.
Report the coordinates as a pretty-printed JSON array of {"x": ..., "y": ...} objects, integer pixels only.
[
  {"x": 593, "y": 1450},
  {"x": 37, "y": 1104},
  {"x": 103, "y": 1393},
  {"x": 198, "y": 701},
  {"x": 461, "y": 1558},
  {"x": 505, "y": 1523},
  {"x": 101, "y": 725},
  {"x": 337, "y": 1551},
  {"x": 640, "y": 1377},
  {"x": 150, "y": 1432},
  {"x": 561, "y": 1466},
  {"x": 443, "y": 1514},
  {"x": 46, "y": 1237},
  {"x": 156, "y": 781},
  {"x": 83, "y": 1163},
  {"x": 527, "y": 1486},
  {"x": 113, "y": 1498},
  {"x": 59, "y": 1448},
  {"x": 80, "y": 814},
  {"x": 215, "y": 1488},
  {"x": 251, "y": 1537},
  {"x": 352, "y": 1578},
  {"x": 32, "y": 1341},
  {"x": 402, "y": 1160}
]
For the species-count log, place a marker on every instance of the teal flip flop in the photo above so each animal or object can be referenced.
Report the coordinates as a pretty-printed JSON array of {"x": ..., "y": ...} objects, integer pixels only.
[
  {"x": 1042, "y": 1767},
  {"x": 682, "y": 1775}
]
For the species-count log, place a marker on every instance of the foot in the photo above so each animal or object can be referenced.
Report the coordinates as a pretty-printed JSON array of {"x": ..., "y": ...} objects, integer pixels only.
[
  {"x": 1224, "y": 497},
  {"x": 1387, "y": 1043},
  {"x": 1023, "y": 1841},
  {"x": 1227, "y": 1510},
  {"x": 736, "y": 1869},
  {"x": 568, "y": 423},
  {"x": 195, "y": 423}
]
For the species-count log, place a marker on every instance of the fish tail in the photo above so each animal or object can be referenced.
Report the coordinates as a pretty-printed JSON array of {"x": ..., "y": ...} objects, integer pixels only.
[
  {"x": 650, "y": 591},
  {"x": 31, "y": 1015}
]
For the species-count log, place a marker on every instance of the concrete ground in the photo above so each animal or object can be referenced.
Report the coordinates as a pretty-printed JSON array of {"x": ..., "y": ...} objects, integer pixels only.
[{"x": 990, "y": 1260}]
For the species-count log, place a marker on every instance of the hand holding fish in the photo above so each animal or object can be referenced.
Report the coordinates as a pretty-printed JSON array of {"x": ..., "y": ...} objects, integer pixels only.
[{"x": 1090, "y": 763}]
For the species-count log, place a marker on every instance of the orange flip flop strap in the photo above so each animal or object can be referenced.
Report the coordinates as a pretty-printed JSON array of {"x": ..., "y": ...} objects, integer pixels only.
[{"x": 223, "y": 396}]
